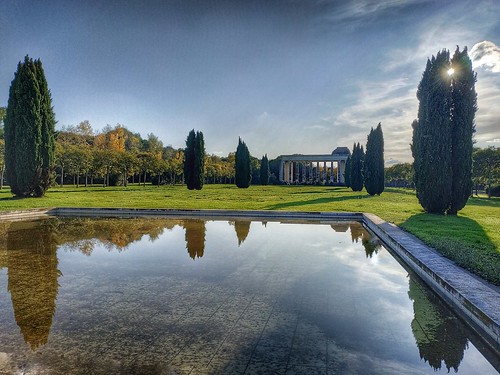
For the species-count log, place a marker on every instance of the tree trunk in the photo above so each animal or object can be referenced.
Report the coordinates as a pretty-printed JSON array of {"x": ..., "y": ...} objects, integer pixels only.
[
  {"x": 144, "y": 182},
  {"x": 62, "y": 177},
  {"x": 78, "y": 180},
  {"x": 86, "y": 179}
]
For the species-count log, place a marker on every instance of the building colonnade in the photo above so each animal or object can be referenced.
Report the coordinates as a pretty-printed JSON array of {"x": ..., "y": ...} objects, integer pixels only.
[{"x": 303, "y": 169}]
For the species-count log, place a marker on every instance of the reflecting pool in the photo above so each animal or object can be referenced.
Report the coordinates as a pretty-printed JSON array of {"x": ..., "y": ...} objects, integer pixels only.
[{"x": 165, "y": 296}]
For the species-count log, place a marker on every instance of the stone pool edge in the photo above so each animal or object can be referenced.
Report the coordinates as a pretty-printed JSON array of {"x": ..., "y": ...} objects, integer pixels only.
[{"x": 475, "y": 299}]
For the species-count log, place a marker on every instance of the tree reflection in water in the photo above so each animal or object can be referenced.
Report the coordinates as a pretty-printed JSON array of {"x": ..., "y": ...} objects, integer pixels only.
[
  {"x": 32, "y": 273},
  {"x": 369, "y": 241},
  {"x": 242, "y": 228},
  {"x": 439, "y": 338},
  {"x": 195, "y": 237}
]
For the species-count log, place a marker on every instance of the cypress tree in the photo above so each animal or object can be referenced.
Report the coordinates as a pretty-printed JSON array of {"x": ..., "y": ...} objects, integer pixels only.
[
  {"x": 47, "y": 131},
  {"x": 463, "y": 111},
  {"x": 29, "y": 131},
  {"x": 199, "y": 161},
  {"x": 442, "y": 134},
  {"x": 189, "y": 160},
  {"x": 356, "y": 175},
  {"x": 243, "y": 172},
  {"x": 264, "y": 171},
  {"x": 373, "y": 167},
  {"x": 347, "y": 172}
]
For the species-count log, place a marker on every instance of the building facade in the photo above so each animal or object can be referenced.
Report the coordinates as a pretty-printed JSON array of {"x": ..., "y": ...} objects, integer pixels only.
[{"x": 310, "y": 169}]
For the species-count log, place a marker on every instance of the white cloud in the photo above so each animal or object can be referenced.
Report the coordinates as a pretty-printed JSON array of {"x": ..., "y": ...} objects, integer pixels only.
[
  {"x": 390, "y": 102},
  {"x": 486, "y": 54}
]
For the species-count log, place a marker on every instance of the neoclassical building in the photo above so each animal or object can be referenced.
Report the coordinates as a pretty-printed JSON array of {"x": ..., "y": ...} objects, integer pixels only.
[{"x": 303, "y": 169}]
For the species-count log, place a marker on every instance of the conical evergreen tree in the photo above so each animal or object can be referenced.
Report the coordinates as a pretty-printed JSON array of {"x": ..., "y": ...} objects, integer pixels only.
[
  {"x": 29, "y": 131},
  {"x": 199, "y": 161},
  {"x": 347, "y": 172},
  {"x": 243, "y": 171},
  {"x": 442, "y": 135},
  {"x": 373, "y": 167},
  {"x": 464, "y": 108},
  {"x": 264, "y": 171},
  {"x": 357, "y": 168},
  {"x": 47, "y": 149},
  {"x": 189, "y": 160}
]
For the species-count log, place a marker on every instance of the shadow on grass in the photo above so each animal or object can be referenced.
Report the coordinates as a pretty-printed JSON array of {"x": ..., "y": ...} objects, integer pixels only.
[
  {"x": 316, "y": 201},
  {"x": 483, "y": 202},
  {"x": 460, "y": 239}
]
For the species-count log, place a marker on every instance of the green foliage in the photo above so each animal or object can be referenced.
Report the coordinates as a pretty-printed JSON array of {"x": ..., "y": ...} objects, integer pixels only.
[
  {"x": 189, "y": 160},
  {"x": 464, "y": 107},
  {"x": 47, "y": 146},
  {"x": 486, "y": 167},
  {"x": 373, "y": 167},
  {"x": 29, "y": 131},
  {"x": 199, "y": 161},
  {"x": 194, "y": 160},
  {"x": 243, "y": 171},
  {"x": 264, "y": 171},
  {"x": 356, "y": 173},
  {"x": 3, "y": 112},
  {"x": 442, "y": 135},
  {"x": 399, "y": 175},
  {"x": 347, "y": 172}
]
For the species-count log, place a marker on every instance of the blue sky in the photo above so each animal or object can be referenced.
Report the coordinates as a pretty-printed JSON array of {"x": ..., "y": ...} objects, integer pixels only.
[{"x": 288, "y": 76}]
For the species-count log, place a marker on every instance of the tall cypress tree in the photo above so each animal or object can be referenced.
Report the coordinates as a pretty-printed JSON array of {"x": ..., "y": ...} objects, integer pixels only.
[
  {"x": 264, "y": 171},
  {"x": 194, "y": 160},
  {"x": 189, "y": 160},
  {"x": 29, "y": 131},
  {"x": 47, "y": 149},
  {"x": 199, "y": 161},
  {"x": 243, "y": 171},
  {"x": 373, "y": 167},
  {"x": 357, "y": 168},
  {"x": 347, "y": 172},
  {"x": 463, "y": 111},
  {"x": 442, "y": 135}
]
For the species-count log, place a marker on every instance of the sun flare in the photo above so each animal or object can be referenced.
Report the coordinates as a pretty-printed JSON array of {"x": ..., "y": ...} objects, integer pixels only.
[{"x": 451, "y": 71}]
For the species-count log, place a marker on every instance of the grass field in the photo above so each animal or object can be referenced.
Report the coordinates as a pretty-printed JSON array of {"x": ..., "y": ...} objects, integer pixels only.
[{"x": 472, "y": 238}]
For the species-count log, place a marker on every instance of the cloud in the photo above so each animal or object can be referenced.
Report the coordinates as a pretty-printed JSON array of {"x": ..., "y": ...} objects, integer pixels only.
[
  {"x": 391, "y": 102},
  {"x": 486, "y": 54}
]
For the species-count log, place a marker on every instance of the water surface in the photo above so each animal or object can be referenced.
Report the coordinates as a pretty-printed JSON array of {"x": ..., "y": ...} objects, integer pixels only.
[{"x": 163, "y": 296}]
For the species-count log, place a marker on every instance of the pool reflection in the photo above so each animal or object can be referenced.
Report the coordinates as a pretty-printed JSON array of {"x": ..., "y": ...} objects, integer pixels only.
[{"x": 29, "y": 253}]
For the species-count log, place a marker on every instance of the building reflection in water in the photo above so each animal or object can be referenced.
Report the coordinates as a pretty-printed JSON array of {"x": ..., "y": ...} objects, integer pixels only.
[{"x": 369, "y": 241}]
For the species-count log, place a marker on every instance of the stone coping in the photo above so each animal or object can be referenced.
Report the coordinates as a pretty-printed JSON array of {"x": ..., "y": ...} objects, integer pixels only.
[{"x": 474, "y": 299}]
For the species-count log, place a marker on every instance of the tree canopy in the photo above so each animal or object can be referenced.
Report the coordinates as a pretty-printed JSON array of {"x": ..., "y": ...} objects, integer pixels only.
[
  {"x": 243, "y": 171},
  {"x": 29, "y": 131},
  {"x": 373, "y": 167},
  {"x": 442, "y": 134}
]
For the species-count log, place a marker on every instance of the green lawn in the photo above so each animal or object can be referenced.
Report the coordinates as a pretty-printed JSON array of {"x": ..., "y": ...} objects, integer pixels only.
[{"x": 472, "y": 238}]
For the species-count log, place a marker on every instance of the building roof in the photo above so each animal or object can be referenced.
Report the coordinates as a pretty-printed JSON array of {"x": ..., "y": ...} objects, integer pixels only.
[{"x": 341, "y": 151}]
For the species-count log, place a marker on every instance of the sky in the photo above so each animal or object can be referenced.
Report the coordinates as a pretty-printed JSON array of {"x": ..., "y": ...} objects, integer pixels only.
[{"x": 287, "y": 76}]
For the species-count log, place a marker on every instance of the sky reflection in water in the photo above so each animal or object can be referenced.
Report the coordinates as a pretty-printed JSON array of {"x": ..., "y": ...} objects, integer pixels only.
[{"x": 165, "y": 296}]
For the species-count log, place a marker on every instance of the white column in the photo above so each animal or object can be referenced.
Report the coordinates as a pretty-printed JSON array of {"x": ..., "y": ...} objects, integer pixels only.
[
  {"x": 324, "y": 171},
  {"x": 282, "y": 170},
  {"x": 341, "y": 171},
  {"x": 332, "y": 170}
]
